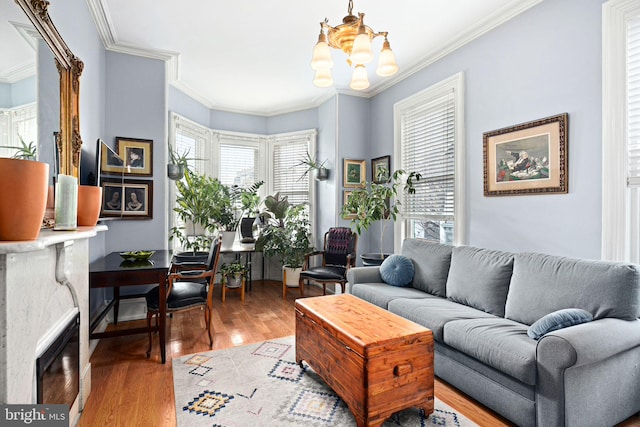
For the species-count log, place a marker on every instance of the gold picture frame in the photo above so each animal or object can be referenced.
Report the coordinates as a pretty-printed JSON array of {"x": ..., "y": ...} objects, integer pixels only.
[
  {"x": 529, "y": 158},
  {"x": 137, "y": 155},
  {"x": 354, "y": 173},
  {"x": 345, "y": 199}
]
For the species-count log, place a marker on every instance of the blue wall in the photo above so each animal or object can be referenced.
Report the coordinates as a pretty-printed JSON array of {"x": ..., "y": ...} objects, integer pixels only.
[
  {"x": 137, "y": 108},
  {"x": 538, "y": 64}
]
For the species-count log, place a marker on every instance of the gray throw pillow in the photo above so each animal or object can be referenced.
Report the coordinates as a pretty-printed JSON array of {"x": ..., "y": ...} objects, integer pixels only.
[
  {"x": 480, "y": 278},
  {"x": 557, "y": 320}
]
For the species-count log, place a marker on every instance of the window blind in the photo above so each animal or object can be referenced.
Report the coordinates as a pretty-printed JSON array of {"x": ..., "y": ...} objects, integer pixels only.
[
  {"x": 191, "y": 139},
  {"x": 428, "y": 142},
  {"x": 633, "y": 102},
  {"x": 287, "y": 170}
]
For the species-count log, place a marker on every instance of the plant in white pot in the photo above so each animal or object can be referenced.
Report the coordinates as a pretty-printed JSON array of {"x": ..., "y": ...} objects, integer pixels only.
[
  {"x": 287, "y": 235},
  {"x": 195, "y": 205},
  {"x": 378, "y": 202}
]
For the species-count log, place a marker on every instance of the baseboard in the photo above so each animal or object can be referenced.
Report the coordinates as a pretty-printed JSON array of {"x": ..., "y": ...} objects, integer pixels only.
[
  {"x": 102, "y": 326},
  {"x": 130, "y": 309}
]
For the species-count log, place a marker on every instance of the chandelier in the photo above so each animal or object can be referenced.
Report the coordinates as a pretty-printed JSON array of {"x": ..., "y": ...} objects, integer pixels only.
[{"x": 354, "y": 38}]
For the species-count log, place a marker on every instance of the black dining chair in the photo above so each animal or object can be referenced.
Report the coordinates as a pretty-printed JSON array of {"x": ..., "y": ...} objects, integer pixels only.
[
  {"x": 187, "y": 289},
  {"x": 339, "y": 254}
]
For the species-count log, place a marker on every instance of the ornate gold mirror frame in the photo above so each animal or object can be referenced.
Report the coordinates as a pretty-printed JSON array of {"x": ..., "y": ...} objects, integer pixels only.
[{"x": 70, "y": 68}]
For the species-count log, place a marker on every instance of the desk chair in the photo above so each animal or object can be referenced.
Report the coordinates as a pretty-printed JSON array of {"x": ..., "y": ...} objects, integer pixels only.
[
  {"x": 339, "y": 254},
  {"x": 187, "y": 289}
]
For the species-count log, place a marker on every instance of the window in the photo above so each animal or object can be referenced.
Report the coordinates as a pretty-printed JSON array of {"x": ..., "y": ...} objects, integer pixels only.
[
  {"x": 429, "y": 140},
  {"x": 621, "y": 131},
  {"x": 243, "y": 159},
  {"x": 286, "y": 174},
  {"x": 16, "y": 123}
]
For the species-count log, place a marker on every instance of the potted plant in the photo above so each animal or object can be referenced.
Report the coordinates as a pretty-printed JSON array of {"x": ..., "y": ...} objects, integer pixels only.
[
  {"x": 322, "y": 173},
  {"x": 233, "y": 273},
  {"x": 178, "y": 163},
  {"x": 25, "y": 151},
  {"x": 195, "y": 206},
  {"x": 287, "y": 235},
  {"x": 248, "y": 201},
  {"x": 378, "y": 202}
]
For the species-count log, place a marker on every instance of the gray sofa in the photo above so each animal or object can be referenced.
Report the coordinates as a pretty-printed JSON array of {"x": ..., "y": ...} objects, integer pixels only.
[{"x": 479, "y": 304}]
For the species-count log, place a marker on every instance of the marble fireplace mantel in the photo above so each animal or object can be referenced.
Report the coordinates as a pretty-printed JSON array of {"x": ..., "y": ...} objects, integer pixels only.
[{"x": 43, "y": 284}]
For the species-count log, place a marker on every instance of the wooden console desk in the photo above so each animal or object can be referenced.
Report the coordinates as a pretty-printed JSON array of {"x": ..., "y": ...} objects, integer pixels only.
[{"x": 111, "y": 271}]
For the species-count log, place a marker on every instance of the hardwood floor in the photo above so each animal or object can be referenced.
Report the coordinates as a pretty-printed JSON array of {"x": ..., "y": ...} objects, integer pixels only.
[{"x": 130, "y": 390}]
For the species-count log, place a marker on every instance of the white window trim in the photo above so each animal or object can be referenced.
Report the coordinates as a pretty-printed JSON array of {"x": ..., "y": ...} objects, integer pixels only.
[
  {"x": 265, "y": 143},
  {"x": 455, "y": 83},
  {"x": 615, "y": 228},
  {"x": 282, "y": 138}
]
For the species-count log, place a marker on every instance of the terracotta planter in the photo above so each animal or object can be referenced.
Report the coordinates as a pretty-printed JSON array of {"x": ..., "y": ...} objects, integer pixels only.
[
  {"x": 89, "y": 202},
  {"x": 23, "y": 198}
]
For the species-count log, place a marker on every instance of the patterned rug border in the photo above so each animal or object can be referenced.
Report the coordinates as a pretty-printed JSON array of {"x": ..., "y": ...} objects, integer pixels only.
[{"x": 260, "y": 384}]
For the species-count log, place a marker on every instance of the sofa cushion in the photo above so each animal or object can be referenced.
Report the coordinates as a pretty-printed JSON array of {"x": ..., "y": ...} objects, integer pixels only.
[
  {"x": 480, "y": 278},
  {"x": 558, "y": 320},
  {"x": 498, "y": 342},
  {"x": 380, "y": 293},
  {"x": 541, "y": 284},
  {"x": 397, "y": 270},
  {"x": 431, "y": 263},
  {"x": 434, "y": 313}
]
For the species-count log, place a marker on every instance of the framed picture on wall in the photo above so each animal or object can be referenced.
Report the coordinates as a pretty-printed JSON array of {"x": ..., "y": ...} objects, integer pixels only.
[
  {"x": 354, "y": 173},
  {"x": 529, "y": 158},
  {"x": 137, "y": 155},
  {"x": 347, "y": 194},
  {"x": 131, "y": 199},
  {"x": 380, "y": 169}
]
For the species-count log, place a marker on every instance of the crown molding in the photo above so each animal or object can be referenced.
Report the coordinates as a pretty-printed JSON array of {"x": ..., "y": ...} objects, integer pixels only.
[
  {"x": 494, "y": 20},
  {"x": 105, "y": 28},
  {"x": 18, "y": 73}
]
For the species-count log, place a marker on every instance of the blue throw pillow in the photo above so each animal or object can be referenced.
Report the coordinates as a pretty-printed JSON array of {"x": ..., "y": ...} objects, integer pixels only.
[
  {"x": 397, "y": 270},
  {"x": 558, "y": 320}
]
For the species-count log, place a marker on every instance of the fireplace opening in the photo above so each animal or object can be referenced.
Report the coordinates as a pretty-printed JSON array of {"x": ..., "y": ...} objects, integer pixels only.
[{"x": 58, "y": 368}]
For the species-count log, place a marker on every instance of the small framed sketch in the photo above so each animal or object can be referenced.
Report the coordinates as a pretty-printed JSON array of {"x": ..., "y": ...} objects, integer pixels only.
[
  {"x": 131, "y": 199},
  {"x": 137, "y": 155},
  {"x": 529, "y": 158},
  {"x": 380, "y": 169},
  {"x": 354, "y": 173},
  {"x": 110, "y": 161},
  {"x": 347, "y": 194}
]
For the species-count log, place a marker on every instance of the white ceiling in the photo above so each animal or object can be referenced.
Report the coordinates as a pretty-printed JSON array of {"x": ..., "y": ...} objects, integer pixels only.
[{"x": 253, "y": 56}]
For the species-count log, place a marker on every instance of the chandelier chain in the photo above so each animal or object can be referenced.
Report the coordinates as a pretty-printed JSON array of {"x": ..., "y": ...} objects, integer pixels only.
[{"x": 350, "y": 7}]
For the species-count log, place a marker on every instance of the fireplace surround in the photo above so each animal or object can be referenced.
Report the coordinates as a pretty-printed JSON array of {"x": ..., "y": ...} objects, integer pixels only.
[
  {"x": 44, "y": 285},
  {"x": 58, "y": 368}
]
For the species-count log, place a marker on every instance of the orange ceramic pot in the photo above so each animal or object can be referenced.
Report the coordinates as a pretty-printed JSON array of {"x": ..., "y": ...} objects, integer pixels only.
[
  {"x": 23, "y": 198},
  {"x": 89, "y": 202}
]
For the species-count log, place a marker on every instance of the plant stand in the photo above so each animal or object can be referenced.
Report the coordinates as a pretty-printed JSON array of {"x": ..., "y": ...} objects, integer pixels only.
[
  {"x": 232, "y": 285},
  {"x": 292, "y": 281}
]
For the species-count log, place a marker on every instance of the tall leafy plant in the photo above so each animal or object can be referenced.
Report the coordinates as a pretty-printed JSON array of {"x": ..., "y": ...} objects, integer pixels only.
[
  {"x": 287, "y": 233},
  {"x": 379, "y": 202},
  {"x": 196, "y": 205}
]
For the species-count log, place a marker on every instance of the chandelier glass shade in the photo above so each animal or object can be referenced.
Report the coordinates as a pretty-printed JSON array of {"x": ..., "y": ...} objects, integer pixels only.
[{"x": 354, "y": 38}]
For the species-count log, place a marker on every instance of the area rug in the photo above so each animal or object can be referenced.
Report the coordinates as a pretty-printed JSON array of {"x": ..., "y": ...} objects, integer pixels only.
[{"x": 261, "y": 385}]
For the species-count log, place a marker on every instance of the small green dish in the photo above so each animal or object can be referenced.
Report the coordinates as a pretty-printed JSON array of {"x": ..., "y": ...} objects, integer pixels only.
[{"x": 137, "y": 255}]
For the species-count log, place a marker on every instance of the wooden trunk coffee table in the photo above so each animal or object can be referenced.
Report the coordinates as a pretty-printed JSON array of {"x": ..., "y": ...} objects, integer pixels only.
[{"x": 377, "y": 362}]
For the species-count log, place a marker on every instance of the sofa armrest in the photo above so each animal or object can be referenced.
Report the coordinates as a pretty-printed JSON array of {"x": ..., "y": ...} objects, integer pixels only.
[
  {"x": 369, "y": 274},
  {"x": 587, "y": 343},
  {"x": 574, "y": 361}
]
